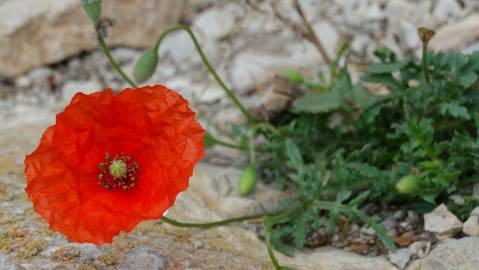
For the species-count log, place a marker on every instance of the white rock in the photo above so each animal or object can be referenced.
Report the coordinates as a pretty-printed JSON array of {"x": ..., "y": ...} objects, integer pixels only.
[
  {"x": 442, "y": 222},
  {"x": 7, "y": 263},
  {"x": 51, "y": 30},
  {"x": 420, "y": 249},
  {"x": 400, "y": 257},
  {"x": 457, "y": 254},
  {"x": 458, "y": 35},
  {"x": 328, "y": 35},
  {"x": 475, "y": 212},
  {"x": 23, "y": 82},
  {"x": 457, "y": 199},
  {"x": 471, "y": 226},
  {"x": 72, "y": 87},
  {"x": 252, "y": 67},
  {"x": 142, "y": 258},
  {"x": 216, "y": 22}
]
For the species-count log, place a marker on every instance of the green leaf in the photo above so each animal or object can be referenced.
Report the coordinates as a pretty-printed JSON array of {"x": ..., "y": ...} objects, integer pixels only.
[
  {"x": 384, "y": 68},
  {"x": 313, "y": 102},
  {"x": 455, "y": 110},
  {"x": 294, "y": 75},
  {"x": 146, "y": 66},
  {"x": 93, "y": 10},
  {"x": 468, "y": 79},
  {"x": 294, "y": 153},
  {"x": 384, "y": 79}
]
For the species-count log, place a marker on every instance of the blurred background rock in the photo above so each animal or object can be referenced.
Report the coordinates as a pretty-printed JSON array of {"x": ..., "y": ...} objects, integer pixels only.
[{"x": 48, "y": 52}]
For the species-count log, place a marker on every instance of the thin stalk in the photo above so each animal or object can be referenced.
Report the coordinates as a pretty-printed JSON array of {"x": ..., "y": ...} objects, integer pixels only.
[
  {"x": 226, "y": 144},
  {"x": 216, "y": 223},
  {"x": 311, "y": 33},
  {"x": 269, "y": 246},
  {"x": 425, "y": 64},
  {"x": 112, "y": 61},
  {"x": 210, "y": 68}
]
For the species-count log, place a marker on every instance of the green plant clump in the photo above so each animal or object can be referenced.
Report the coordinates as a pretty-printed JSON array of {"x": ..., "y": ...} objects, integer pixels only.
[{"x": 416, "y": 145}]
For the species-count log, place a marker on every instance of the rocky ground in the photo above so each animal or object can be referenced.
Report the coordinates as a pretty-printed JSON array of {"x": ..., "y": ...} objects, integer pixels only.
[{"x": 249, "y": 45}]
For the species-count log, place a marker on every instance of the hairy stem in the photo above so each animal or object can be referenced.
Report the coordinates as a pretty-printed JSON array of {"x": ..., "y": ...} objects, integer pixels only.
[
  {"x": 311, "y": 34},
  {"x": 269, "y": 246},
  {"x": 425, "y": 69},
  {"x": 112, "y": 61},
  {"x": 210, "y": 68},
  {"x": 215, "y": 223}
]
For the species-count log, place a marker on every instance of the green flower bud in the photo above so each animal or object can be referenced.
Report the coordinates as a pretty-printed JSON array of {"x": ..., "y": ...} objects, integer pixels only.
[
  {"x": 92, "y": 9},
  {"x": 407, "y": 185},
  {"x": 146, "y": 66},
  {"x": 248, "y": 180}
]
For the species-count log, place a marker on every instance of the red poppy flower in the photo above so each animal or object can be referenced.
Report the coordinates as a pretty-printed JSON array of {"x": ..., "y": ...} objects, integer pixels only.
[{"x": 112, "y": 160}]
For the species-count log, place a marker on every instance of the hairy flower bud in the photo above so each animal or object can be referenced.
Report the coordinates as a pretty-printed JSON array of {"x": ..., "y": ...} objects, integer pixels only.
[
  {"x": 407, "y": 185},
  {"x": 248, "y": 180},
  {"x": 146, "y": 66}
]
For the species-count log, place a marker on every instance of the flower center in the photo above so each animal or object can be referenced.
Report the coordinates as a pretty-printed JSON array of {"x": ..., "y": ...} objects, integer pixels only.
[{"x": 118, "y": 172}]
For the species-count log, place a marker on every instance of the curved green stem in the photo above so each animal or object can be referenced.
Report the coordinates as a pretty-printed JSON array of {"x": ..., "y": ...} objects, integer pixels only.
[
  {"x": 269, "y": 246},
  {"x": 210, "y": 68},
  {"x": 216, "y": 223},
  {"x": 226, "y": 144},
  {"x": 112, "y": 61}
]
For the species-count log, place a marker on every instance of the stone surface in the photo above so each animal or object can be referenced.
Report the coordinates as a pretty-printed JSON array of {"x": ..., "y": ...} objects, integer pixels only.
[
  {"x": 34, "y": 33},
  {"x": 7, "y": 263},
  {"x": 458, "y": 35},
  {"x": 442, "y": 222},
  {"x": 475, "y": 212},
  {"x": 400, "y": 257},
  {"x": 141, "y": 258},
  {"x": 72, "y": 87},
  {"x": 452, "y": 254},
  {"x": 471, "y": 226},
  {"x": 420, "y": 249}
]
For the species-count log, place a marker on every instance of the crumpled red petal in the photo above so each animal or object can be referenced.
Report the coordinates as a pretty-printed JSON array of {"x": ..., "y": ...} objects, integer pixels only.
[{"x": 154, "y": 125}]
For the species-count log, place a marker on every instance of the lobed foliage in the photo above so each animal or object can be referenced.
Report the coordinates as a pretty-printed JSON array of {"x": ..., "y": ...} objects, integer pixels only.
[{"x": 341, "y": 147}]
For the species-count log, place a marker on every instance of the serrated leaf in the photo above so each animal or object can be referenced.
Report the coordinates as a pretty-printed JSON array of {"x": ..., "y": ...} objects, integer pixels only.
[
  {"x": 454, "y": 110},
  {"x": 293, "y": 153},
  {"x": 384, "y": 79},
  {"x": 92, "y": 9},
  {"x": 468, "y": 79},
  {"x": 384, "y": 68},
  {"x": 313, "y": 102}
]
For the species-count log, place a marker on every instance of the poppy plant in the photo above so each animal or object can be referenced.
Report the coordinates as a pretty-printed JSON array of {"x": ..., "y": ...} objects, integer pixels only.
[{"x": 112, "y": 160}]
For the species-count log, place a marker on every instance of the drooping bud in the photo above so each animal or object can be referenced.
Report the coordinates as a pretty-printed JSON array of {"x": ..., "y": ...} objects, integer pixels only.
[
  {"x": 248, "y": 180},
  {"x": 425, "y": 34},
  {"x": 407, "y": 185},
  {"x": 117, "y": 168},
  {"x": 146, "y": 66},
  {"x": 93, "y": 10}
]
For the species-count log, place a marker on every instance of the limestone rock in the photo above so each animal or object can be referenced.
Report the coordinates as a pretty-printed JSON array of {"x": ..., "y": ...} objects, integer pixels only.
[
  {"x": 72, "y": 87},
  {"x": 471, "y": 226},
  {"x": 34, "y": 33},
  {"x": 457, "y": 35},
  {"x": 142, "y": 258},
  {"x": 442, "y": 222},
  {"x": 400, "y": 257},
  {"x": 457, "y": 254},
  {"x": 420, "y": 249},
  {"x": 8, "y": 264}
]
